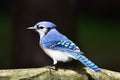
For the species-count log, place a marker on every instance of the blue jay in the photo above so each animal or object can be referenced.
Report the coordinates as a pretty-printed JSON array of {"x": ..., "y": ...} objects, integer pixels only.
[{"x": 58, "y": 46}]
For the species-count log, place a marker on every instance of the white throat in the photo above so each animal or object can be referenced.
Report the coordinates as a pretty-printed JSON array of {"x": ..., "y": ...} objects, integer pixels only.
[
  {"x": 41, "y": 35},
  {"x": 42, "y": 32}
]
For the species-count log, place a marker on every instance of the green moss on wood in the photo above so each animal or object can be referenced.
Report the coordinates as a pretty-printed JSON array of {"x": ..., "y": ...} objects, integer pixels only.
[{"x": 60, "y": 74}]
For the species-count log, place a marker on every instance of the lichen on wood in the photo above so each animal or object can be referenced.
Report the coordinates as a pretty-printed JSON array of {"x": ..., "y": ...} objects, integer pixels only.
[{"x": 60, "y": 74}]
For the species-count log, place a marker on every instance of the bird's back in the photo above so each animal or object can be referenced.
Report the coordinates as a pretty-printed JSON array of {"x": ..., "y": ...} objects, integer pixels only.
[{"x": 53, "y": 35}]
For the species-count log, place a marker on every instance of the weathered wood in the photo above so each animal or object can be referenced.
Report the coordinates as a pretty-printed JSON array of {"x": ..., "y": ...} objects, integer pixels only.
[{"x": 60, "y": 74}]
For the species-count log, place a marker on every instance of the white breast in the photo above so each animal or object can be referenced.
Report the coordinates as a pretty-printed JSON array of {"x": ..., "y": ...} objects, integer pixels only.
[{"x": 57, "y": 55}]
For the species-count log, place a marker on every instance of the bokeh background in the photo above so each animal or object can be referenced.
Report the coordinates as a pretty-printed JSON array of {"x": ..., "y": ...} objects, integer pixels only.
[{"x": 94, "y": 25}]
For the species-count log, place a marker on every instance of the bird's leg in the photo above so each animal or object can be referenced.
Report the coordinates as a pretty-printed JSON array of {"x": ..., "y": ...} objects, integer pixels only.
[
  {"x": 54, "y": 63},
  {"x": 49, "y": 68}
]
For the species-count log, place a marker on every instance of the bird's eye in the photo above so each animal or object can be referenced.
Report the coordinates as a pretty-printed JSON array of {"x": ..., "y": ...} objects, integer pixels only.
[{"x": 39, "y": 27}]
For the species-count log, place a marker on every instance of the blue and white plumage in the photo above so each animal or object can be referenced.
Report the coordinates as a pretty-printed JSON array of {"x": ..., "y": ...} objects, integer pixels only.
[{"x": 58, "y": 46}]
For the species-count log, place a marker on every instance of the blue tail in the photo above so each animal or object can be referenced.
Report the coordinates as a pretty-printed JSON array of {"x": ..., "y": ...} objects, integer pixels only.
[{"x": 88, "y": 63}]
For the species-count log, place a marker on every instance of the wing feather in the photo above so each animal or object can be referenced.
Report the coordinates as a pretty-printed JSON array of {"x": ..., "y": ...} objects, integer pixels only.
[{"x": 64, "y": 45}]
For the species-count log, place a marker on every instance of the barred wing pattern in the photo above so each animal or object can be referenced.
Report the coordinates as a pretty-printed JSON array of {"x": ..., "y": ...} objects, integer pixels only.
[{"x": 61, "y": 45}]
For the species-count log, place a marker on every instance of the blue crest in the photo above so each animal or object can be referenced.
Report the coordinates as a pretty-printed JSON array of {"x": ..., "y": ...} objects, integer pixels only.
[{"x": 47, "y": 24}]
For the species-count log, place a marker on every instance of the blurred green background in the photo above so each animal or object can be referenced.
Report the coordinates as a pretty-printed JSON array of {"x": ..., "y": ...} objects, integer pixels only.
[
  {"x": 6, "y": 39},
  {"x": 96, "y": 30},
  {"x": 100, "y": 37}
]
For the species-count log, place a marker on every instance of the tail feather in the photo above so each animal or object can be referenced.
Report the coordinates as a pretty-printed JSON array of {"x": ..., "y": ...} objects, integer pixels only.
[{"x": 88, "y": 63}]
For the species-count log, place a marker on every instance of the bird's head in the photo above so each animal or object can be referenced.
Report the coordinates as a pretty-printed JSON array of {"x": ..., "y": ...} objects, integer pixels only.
[{"x": 43, "y": 27}]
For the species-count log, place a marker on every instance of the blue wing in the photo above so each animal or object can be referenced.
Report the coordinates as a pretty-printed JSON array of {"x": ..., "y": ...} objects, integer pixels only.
[{"x": 63, "y": 45}]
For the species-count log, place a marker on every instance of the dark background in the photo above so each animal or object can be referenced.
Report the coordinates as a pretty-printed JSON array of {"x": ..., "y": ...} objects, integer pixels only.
[{"x": 94, "y": 25}]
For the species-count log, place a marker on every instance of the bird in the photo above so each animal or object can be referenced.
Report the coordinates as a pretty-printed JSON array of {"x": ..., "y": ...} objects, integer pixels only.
[{"x": 58, "y": 47}]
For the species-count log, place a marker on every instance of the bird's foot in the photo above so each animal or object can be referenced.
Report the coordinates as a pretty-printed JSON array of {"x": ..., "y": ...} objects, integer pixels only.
[{"x": 50, "y": 68}]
